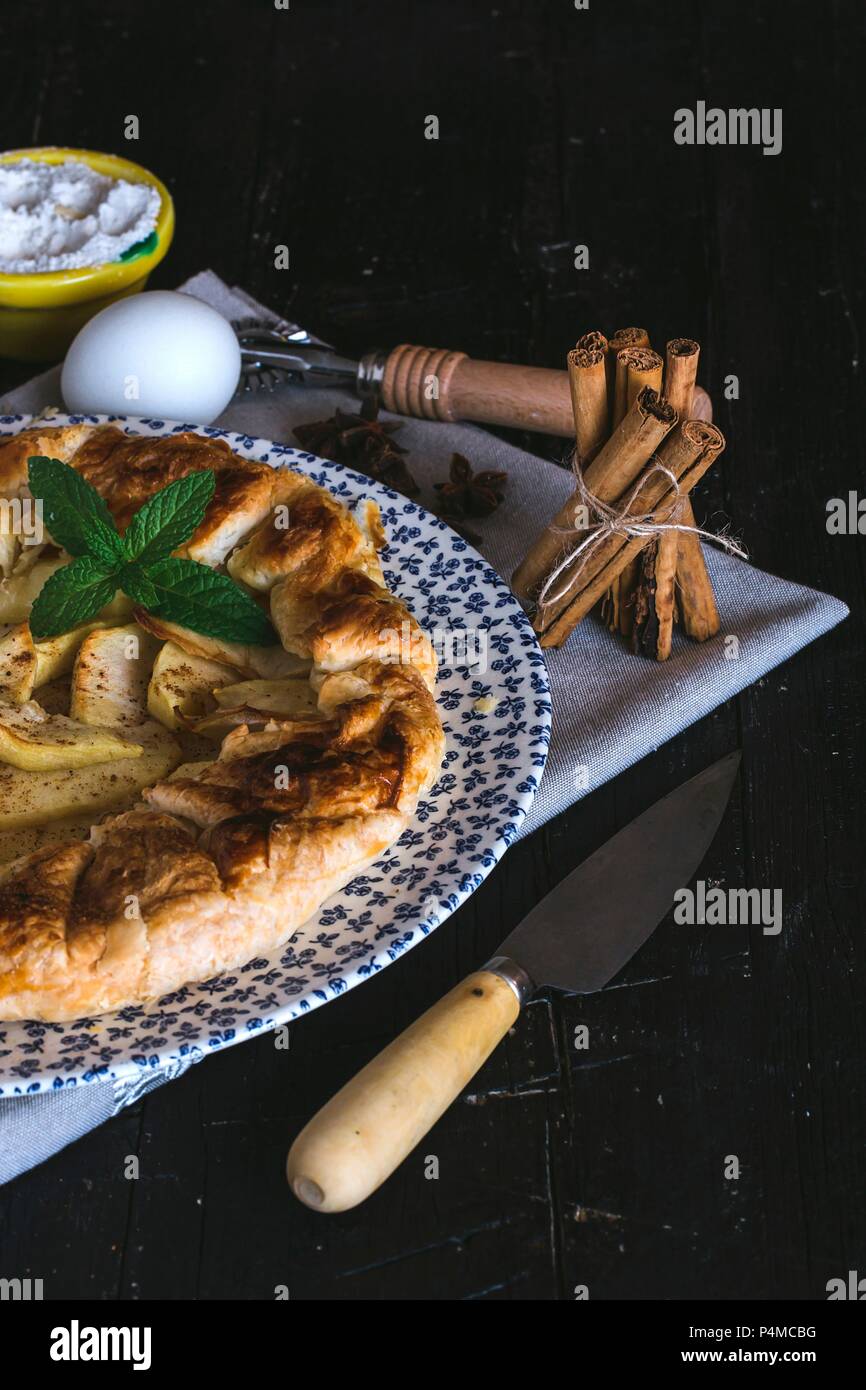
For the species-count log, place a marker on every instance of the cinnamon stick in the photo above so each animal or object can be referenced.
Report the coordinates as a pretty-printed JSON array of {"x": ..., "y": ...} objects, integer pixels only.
[
  {"x": 687, "y": 453},
  {"x": 618, "y": 604},
  {"x": 629, "y": 338},
  {"x": 616, "y": 465},
  {"x": 636, "y": 367},
  {"x": 644, "y": 368},
  {"x": 654, "y": 606},
  {"x": 623, "y": 338},
  {"x": 647, "y": 609},
  {"x": 593, "y": 339},
  {"x": 698, "y": 610},
  {"x": 681, "y": 370},
  {"x": 646, "y": 605},
  {"x": 588, "y": 382}
]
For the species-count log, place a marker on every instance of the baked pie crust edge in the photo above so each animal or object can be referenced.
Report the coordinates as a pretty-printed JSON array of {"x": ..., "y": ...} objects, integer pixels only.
[{"x": 224, "y": 866}]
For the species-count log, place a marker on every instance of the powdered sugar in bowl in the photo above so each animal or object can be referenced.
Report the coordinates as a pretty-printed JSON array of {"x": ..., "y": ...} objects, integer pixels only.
[{"x": 78, "y": 229}]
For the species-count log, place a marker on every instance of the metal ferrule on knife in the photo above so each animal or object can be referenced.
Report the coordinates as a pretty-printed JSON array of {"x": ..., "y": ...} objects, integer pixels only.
[{"x": 513, "y": 975}]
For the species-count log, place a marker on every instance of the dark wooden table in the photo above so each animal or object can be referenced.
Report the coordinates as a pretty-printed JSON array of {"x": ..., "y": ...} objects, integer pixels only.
[{"x": 559, "y": 1168}]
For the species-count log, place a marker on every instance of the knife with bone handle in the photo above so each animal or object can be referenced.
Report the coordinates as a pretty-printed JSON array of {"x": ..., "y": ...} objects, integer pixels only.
[{"x": 576, "y": 939}]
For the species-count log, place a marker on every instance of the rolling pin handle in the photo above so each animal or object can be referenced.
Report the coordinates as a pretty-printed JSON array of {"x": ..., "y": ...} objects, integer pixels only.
[{"x": 437, "y": 384}]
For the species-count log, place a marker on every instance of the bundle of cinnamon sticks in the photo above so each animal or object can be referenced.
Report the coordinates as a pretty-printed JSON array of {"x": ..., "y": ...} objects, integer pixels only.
[{"x": 639, "y": 453}]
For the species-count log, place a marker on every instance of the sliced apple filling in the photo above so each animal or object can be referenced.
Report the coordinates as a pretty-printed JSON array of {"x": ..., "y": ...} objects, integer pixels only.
[
  {"x": 34, "y": 798},
  {"x": 57, "y": 769},
  {"x": 182, "y": 686},
  {"x": 255, "y": 703},
  {"x": 111, "y": 675},
  {"x": 279, "y": 697},
  {"x": 17, "y": 664},
  {"x": 36, "y": 741},
  {"x": 55, "y": 656},
  {"x": 269, "y": 663},
  {"x": 26, "y": 665},
  {"x": 18, "y": 592}
]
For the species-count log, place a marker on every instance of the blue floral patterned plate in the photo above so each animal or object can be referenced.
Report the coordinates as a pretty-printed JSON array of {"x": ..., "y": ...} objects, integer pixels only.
[{"x": 495, "y": 705}]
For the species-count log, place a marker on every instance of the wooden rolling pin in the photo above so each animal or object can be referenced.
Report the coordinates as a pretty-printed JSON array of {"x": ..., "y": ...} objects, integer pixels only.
[{"x": 436, "y": 384}]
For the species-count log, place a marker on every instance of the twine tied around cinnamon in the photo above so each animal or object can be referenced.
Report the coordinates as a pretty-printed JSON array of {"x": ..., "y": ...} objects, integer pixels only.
[{"x": 617, "y": 520}]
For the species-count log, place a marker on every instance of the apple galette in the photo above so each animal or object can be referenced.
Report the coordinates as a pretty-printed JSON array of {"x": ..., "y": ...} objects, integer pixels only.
[{"x": 213, "y": 713}]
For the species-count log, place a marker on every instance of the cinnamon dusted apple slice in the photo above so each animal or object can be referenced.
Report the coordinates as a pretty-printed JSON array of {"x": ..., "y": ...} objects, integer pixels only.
[
  {"x": 111, "y": 675},
  {"x": 10, "y": 547},
  {"x": 255, "y": 703},
  {"x": 285, "y": 697},
  {"x": 19, "y": 591},
  {"x": 26, "y": 665},
  {"x": 18, "y": 664},
  {"x": 56, "y": 655},
  {"x": 18, "y": 554},
  {"x": 219, "y": 722},
  {"x": 271, "y": 663},
  {"x": 36, "y": 741},
  {"x": 182, "y": 686},
  {"x": 42, "y": 798},
  {"x": 18, "y": 841}
]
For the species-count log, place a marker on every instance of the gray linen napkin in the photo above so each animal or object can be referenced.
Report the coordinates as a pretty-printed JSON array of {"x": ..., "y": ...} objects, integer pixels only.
[{"x": 609, "y": 708}]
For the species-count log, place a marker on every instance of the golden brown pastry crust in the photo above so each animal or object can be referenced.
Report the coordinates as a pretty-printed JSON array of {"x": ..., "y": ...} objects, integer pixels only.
[
  {"x": 127, "y": 469},
  {"x": 229, "y": 863}
]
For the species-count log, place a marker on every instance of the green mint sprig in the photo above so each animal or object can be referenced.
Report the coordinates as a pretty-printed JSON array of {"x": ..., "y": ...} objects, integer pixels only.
[{"x": 140, "y": 562}]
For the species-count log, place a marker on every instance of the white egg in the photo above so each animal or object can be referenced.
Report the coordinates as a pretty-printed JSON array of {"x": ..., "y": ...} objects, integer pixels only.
[{"x": 156, "y": 354}]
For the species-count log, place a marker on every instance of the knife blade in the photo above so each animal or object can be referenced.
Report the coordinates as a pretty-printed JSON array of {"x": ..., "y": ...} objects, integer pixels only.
[
  {"x": 588, "y": 927},
  {"x": 578, "y": 938}
]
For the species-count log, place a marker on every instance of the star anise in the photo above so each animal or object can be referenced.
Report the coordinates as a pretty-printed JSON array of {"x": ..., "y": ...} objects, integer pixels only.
[
  {"x": 321, "y": 437},
  {"x": 390, "y": 469},
  {"x": 470, "y": 494},
  {"x": 367, "y": 432},
  {"x": 345, "y": 437},
  {"x": 363, "y": 442}
]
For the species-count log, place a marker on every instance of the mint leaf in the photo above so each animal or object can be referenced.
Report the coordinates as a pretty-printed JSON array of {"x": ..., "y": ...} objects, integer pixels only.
[
  {"x": 169, "y": 518},
  {"x": 134, "y": 581},
  {"x": 140, "y": 563},
  {"x": 73, "y": 511},
  {"x": 70, "y": 596},
  {"x": 197, "y": 597}
]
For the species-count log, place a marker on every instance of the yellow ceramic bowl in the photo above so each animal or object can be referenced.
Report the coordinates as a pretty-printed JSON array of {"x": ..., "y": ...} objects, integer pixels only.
[{"x": 41, "y": 314}]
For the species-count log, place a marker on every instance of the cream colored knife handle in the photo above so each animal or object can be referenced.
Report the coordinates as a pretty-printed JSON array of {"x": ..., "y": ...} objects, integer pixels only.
[{"x": 362, "y": 1134}]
